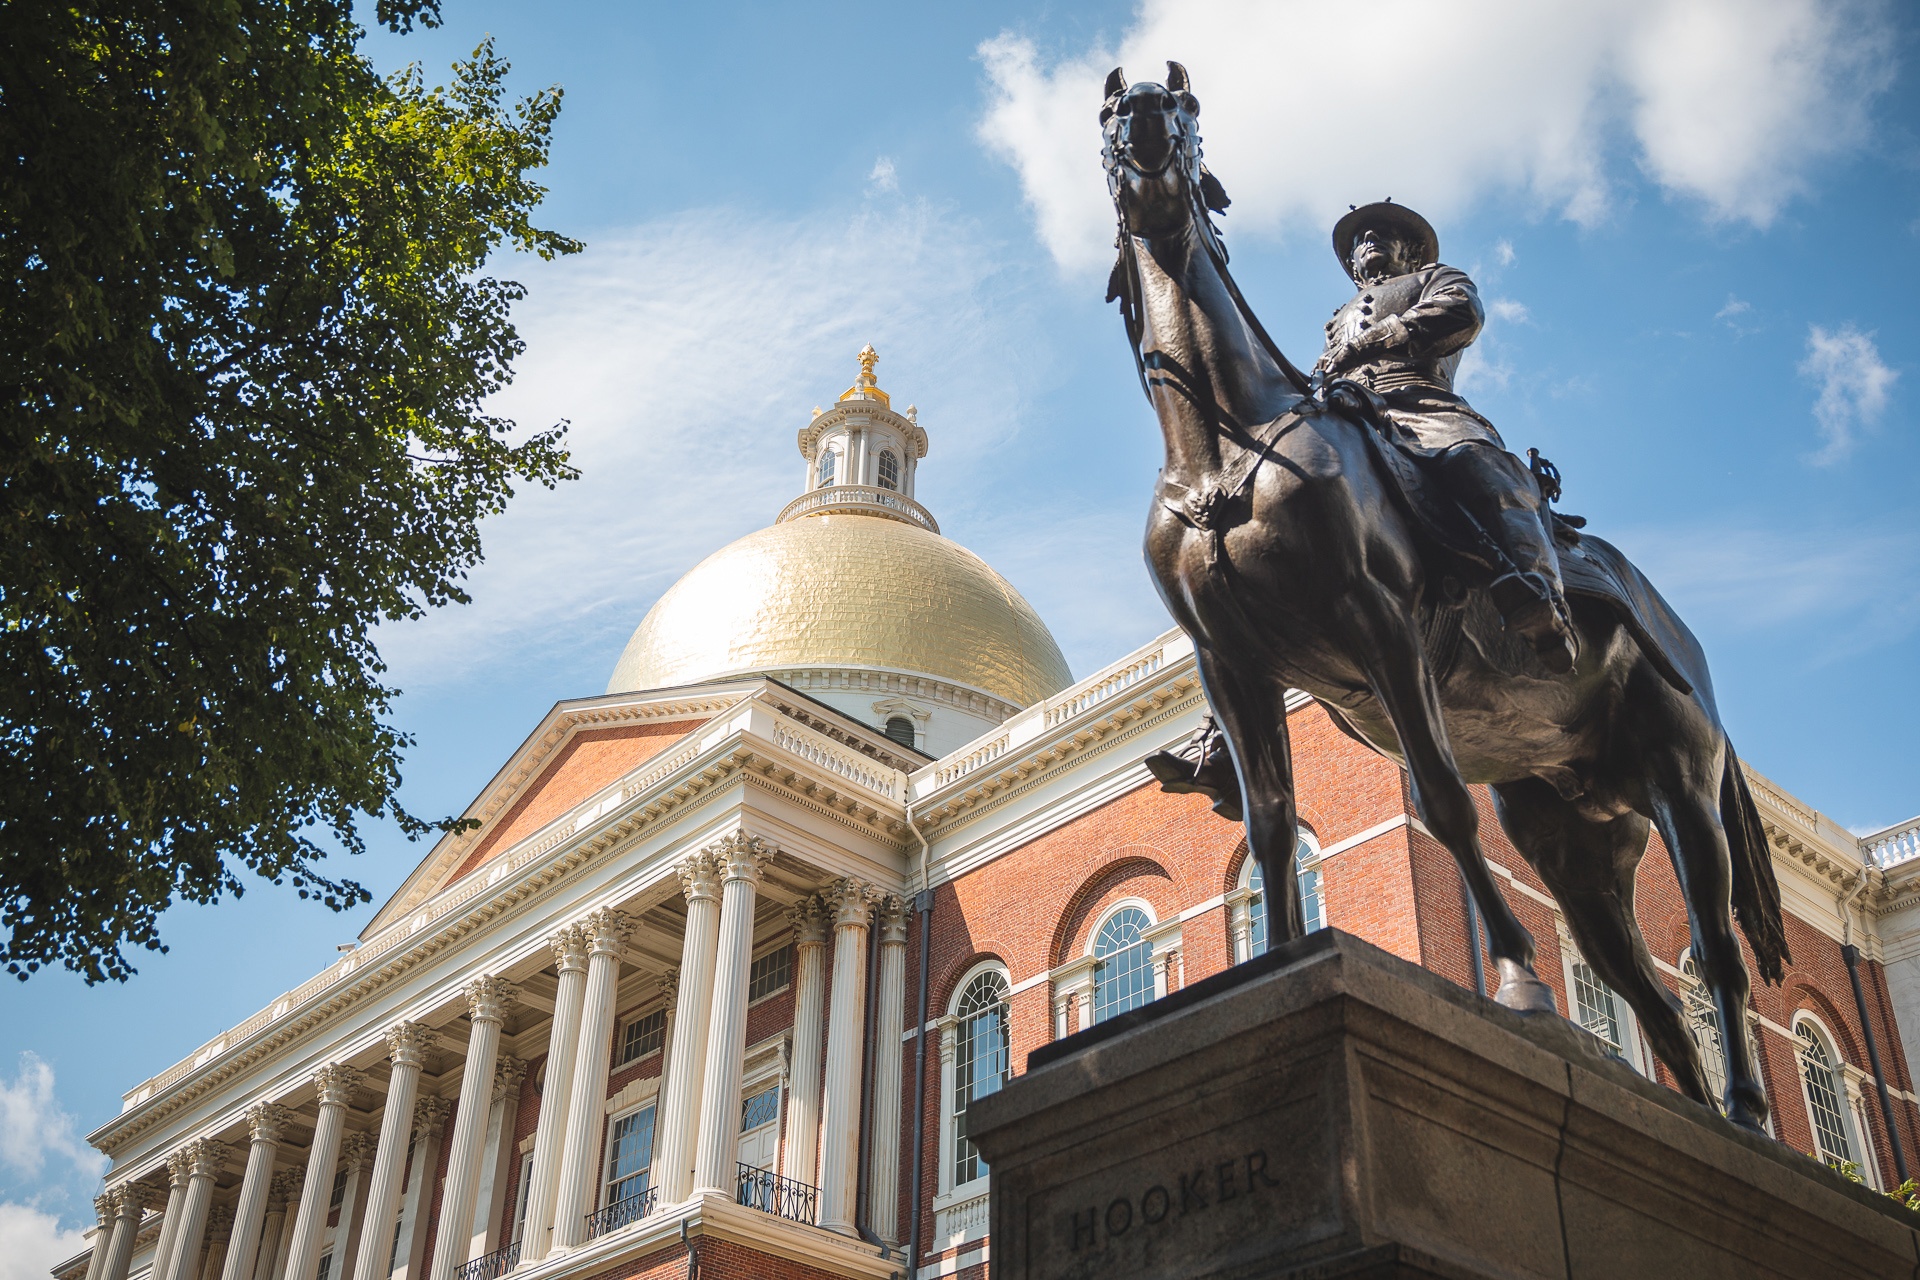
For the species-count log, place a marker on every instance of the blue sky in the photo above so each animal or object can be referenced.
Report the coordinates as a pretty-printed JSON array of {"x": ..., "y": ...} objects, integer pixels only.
[{"x": 1697, "y": 226}]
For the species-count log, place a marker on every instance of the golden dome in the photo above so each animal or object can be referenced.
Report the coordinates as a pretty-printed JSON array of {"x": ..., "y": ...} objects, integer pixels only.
[{"x": 845, "y": 591}]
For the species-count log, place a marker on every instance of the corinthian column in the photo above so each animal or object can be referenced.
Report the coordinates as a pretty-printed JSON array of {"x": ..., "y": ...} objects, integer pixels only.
[
  {"x": 883, "y": 1161},
  {"x": 851, "y": 902},
  {"x": 488, "y": 1000},
  {"x": 718, "y": 1153},
  {"x": 809, "y": 919},
  {"x": 277, "y": 1232},
  {"x": 219, "y": 1240},
  {"x": 606, "y": 931},
  {"x": 429, "y": 1123},
  {"x": 335, "y": 1085},
  {"x": 177, "y": 1167},
  {"x": 127, "y": 1202},
  {"x": 356, "y": 1154},
  {"x": 679, "y": 1112},
  {"x": 550, "y": 1129},
  {"x": 497, "y": 1157},
  {"x": 101, "y": 1237},
  {"x": 266, "y": 1122},
  {"x": 407, "y": 1045},
  {"x": 205, "y": 1158}
]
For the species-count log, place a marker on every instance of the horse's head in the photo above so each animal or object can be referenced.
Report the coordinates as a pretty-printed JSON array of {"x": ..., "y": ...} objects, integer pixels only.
[{"x": 1152, "y": 154}]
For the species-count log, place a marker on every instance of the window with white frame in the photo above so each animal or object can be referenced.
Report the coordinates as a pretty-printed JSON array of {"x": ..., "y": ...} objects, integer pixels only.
[
  {"x": 1313, "y": 910},
  {"x": 982, "y": 1063},
  {"x": 889, "y": 470},
  {"x": 520, "y": 1196},
  {"x": 629, "y": 1155},
  {"x": 759, "y": 1124},
  {"x": 643, "y": 1035},
  {"x": 326, "y": 1266},
  {"x": 1825, "y": 1093},
  {"x": 1598, "y": 1008},
  {"x": 827, "y": 457},
  {"x": 770, "y": 973},
  {"x": 1703, "y": 1023},
  {"x": 1123, "y": 963}
]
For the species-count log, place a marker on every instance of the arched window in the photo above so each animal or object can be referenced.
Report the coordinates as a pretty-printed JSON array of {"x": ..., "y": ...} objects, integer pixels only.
[
  {"x": 827, "y": 457},
  {"x": 889, "y": 470},
  {"x": 900, "y": 729},
  {"x": 1313, "y": 909},
  {"x": 1825, "y": 1095},
  {"x": 1703, "y": 1021},
  {"x": 1123, "y": 964},
  {"x": 982, "y": 1063}
]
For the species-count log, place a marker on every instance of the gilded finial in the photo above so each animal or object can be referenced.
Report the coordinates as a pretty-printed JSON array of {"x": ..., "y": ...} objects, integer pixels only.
[
  {"x": 864, "y": 387},
  {"x": 868, "y": 358},
  {"x": 816, "y": 411}
]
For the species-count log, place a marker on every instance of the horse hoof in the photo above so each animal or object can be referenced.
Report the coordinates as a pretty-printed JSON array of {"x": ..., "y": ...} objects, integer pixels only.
[
  {"x": 1521, "y": 991},
  {"x": 1746, "y": 1114}
]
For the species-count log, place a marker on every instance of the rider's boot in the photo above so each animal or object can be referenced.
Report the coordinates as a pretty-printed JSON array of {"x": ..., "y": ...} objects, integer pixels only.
[
  {"x": 1201, "y": 767},
  {"x": 1529, "y": 598}
]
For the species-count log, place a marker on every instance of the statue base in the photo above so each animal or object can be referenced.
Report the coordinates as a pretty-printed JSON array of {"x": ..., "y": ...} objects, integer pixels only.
[{"x": 1330, "y": 1110}]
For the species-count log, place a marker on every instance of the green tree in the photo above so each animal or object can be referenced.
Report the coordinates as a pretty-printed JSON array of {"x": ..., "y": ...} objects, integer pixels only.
[{"x": 246, "y": 348}]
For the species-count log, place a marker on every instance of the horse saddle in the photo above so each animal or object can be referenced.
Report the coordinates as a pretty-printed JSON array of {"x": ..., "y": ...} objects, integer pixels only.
[{"x": 1589, "y": 566}]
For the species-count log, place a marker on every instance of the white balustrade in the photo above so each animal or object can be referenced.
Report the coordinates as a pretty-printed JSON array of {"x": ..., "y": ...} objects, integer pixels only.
[{"x": 1894, "y": 845}]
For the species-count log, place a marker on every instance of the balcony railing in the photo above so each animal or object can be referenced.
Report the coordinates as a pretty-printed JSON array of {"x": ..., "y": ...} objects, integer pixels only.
[
  {"x": 767, "y": 1191},
  {"x": 491, "y": 1266},
  {"x": 621, "y": 1212}
]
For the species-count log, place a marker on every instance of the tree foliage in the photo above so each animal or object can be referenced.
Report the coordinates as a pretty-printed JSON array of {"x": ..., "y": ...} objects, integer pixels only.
[{"x": 246, "y": 349}]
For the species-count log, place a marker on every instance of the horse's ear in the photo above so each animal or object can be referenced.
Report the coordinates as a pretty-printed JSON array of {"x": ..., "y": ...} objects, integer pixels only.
[
  {"x": 1177, "y": 78},
  {"x": 1116, "y": 81}
]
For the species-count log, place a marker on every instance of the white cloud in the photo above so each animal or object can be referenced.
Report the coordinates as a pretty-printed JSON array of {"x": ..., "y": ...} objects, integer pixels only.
[
  {"x": 1511, "y": 310},
  {"x": 686, "y": 353},
  {"x": 1310, "y": 106},
  {"x": 31, "y": 1242},
  {"x": 33, "y": 1126},
  {"x": 1504, "y": 252},
  {"x": 1735, "y": 307},
  {"x": 1854, "y": 383},
  {"x": 884, "y": 177}
]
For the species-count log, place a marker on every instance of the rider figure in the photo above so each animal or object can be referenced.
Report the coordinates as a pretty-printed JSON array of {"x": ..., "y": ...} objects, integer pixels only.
[{"x": 1401, "y": 337}]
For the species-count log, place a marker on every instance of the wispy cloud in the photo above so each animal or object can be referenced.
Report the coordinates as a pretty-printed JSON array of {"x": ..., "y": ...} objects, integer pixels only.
[
  {"x": 884, "y": 177},
  {"x": 1727, "y": 103},
  {"x": 33, "y": 1127},
  {"x": 1854, "y": 386},
  {"x": 1735, "y": 307},
  {"x": 1504, "y": 252},
  {"x": 1511, "y": 310},
  {"x": 31, "y": 1242}
]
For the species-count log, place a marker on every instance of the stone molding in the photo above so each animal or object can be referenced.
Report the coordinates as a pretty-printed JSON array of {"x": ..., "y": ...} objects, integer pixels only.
[
  {"x": 335, "y": 1084},
  {"x": 569, "y": 946},
  {"x": 430, "y": 1115},
  {"x": 408, "y": 1042},
  {"x": 508, "y": 1072},
  {"x": 850, "y": 902},
  {"x": 700, "y": 876},
  {"x": 267, "y": 1122},
  {"x": 606, "y": 930},
  {"x": 740, "y": 856},
  {"x": 809, "y": 919},
  {"x": 490, "y": 998}
]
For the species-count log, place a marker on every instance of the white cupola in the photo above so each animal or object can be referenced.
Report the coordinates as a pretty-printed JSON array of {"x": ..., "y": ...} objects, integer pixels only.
[{"x": 861, "y": 455}]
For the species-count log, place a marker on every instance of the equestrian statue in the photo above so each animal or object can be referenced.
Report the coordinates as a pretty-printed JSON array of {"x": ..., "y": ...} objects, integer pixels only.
[{"x": 1361, "y": 533}]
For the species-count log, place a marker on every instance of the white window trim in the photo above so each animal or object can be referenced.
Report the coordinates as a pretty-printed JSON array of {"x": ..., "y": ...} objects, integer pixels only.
[
  {"x": 1635, "y": 1048},
  {"x": 645, "y": 1011},
  {"x": 606, "y": 1144},
  {"x": 525, "y": 1185},
  {"x": 1845, "y": 1074},
  {"x": 787, "y": 944},
  {"x": 1075, "y": 977},
  {"x": 946, "y": 1194}
]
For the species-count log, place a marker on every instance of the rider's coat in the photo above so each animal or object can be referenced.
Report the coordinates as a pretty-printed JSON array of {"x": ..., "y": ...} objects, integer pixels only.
[{"x": 1432, "y": 316}]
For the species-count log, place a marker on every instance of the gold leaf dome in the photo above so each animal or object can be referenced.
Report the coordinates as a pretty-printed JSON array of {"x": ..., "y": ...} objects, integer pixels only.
[{"x": 845, "y": 590}]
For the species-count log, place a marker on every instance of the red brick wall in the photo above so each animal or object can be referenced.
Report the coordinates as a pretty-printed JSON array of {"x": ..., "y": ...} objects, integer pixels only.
[{"x": 719, "y": 1260}]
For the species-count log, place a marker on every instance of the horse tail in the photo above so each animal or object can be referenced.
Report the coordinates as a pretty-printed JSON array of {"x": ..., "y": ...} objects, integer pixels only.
[{"x": 1756, "y": 894}]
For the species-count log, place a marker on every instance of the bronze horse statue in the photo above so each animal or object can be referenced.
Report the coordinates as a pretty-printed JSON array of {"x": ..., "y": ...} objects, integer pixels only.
[{"x": 1294, "y": 547}]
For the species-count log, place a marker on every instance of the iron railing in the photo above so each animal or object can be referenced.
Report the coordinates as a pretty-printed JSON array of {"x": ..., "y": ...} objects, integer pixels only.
[
  {"x": 491, "y": 1266},
  {"x": 621, "y": 1212},
  {"x": 767, "y": 1191}
]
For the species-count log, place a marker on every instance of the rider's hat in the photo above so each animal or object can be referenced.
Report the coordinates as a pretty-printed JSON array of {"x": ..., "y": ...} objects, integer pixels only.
[{"x": 1388, "y": 217}]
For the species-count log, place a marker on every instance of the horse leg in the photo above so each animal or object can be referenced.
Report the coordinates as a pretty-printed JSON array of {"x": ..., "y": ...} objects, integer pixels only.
[
  {"x": 1252, "y": 716},
  {"x": 1589, "y": 867},
  {"x": 1686, "y": 808},
  {"x": 1398, "y": 677}
]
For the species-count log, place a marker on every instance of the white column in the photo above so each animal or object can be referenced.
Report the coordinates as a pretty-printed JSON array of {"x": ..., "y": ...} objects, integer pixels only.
[
  {"x": 277, "y": 1233},
  {"x": 679, "y": 1112},
  {"x": 429, "y": 1123},
  {"x": 129, "y": 1201},
  {"x": 496, "y": 1158},
  {"x": 407, "y": 1045},
  {"x": 356, "y": 1153},
  {"x": 883, "y": 1160},
  {"x": 606, "y": 931},
  {"x": 101, "y": 1237},
  {"x": 266, "y": 1122},
  {"x": 178, "y": 1165},
  {"x": 851, "y": 902},
  {"x": 809, "y": 919},
  {"x": 550, "y": 1129},
  {"x": 204, "y": 1161},
  {"x": 488, "y": 999},
  {"x": 948, "y": 1030},
  {"x": 717, "y": 1154},
  {"x": 335, "y": 1085},
  {"x": 219, "y": 1241}
]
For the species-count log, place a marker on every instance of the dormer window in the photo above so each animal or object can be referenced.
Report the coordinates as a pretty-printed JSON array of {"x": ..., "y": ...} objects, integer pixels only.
[
  {"x": 826, "y": 468},
  {"x": 900, "y": 728},
  {"x": 889, "y": 470}
]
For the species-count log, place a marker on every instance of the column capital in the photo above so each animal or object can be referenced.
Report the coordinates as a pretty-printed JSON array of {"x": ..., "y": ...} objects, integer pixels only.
[
  {"x": 285, "y": 1187},
  {"x": 670, "y": 987},
  {"x": 103, "y": 1209},
  {"x": 267, "y": 1122},
  {"x": 208, "y": 1157},
  {"x": 408, "y": 1042},
  {"x": 569, "y": 945},
  {"x": 741, "y": 856},
  {"x": 430, "y": 1116},
  {"x": 180, "y": 1166},
  {"x": 335, "y": 1084},
  {"x": 850, "y": 902},
  {"x": 893, "y": 920},
  {"x": 220, "y": 1222},
  {"x": 508, "y": 1072},
  {"x": 355, "y": 1148},
  {"x": 606, "y": 930},
  {"x": 489, "y": 998},
  {"x": 130, "y": 1199},
  {"x": 700, "y": 876},
  {"x": 809, "y": 919}
]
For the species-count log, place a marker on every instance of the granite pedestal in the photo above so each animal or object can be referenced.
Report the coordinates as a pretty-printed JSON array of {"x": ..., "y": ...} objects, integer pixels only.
[{"x": 1331, "y": 1110}]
